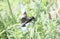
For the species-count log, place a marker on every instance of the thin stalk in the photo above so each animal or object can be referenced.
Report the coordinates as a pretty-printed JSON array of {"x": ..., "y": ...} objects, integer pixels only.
[{"x": 11, "y": 13}]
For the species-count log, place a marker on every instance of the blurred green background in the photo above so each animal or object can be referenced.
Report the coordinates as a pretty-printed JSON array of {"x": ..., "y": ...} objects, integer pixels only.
[{"x": 46, "y": 25}]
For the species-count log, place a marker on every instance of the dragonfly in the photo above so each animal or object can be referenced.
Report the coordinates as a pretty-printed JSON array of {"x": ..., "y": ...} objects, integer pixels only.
[{"x": 25, "y": 21}]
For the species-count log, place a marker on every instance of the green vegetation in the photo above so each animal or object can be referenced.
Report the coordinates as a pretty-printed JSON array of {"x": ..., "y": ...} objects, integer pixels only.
[{"x": 42, "y": 28}]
